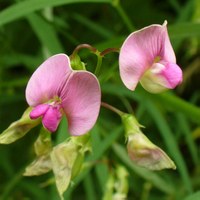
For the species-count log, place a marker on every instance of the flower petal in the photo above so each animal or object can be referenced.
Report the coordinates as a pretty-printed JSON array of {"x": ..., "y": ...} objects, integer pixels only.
[
  {"x": 51, "y": 118},
  {"x": 172, "y": 74},
  {"x": 47, "y": 81},
  {"x": 140, "y": 50},
  {"x": 38, "y": 111},
  {"x": 161, "y": 76},
  {"x": 81, "y": 98}
]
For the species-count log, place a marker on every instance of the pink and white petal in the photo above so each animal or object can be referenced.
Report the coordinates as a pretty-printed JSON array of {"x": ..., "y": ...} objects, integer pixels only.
[
  {"x": 139, "y": 52},
  {"x": 161, "y": 76},
  {"x": 81, "y": 98},
  {"x": 51, "y": 119},
  {"x": 38, "y": 111},
  {"x": 172, "y": 73},
  {"x": 153, "y": 83},
  {"x": 48, "y": 79}
]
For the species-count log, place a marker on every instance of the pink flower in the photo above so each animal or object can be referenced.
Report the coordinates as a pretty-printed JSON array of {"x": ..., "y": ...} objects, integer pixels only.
[
  {"x": 55, "y": 89},
  {"x": 147, "y": 56}
]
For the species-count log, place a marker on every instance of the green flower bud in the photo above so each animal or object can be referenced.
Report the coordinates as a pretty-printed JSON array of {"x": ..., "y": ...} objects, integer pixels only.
[
  {"x": 76, "y": 63},
  {"x": 141, "y": 150},
  {"x": 146, "y": 154}
]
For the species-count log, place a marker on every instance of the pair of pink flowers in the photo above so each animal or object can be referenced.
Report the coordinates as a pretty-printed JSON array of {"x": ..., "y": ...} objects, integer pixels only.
[{"x": 56, "y": 89}]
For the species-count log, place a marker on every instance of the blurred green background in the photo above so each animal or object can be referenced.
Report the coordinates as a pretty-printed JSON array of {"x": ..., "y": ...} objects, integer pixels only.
[{"x": 32, "y": 30}]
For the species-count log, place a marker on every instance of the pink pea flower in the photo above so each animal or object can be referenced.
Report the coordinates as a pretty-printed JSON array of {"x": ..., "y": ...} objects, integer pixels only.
[
  {"x": 55, "y": 89},
  {"x": 147, "y": 56}
]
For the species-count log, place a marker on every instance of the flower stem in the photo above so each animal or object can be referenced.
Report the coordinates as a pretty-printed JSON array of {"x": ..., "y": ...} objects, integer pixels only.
[
  {"x": 109, "y": 50},
  {"x": 99, "y": 63},
  {"x": 112, "y": 108},
  {"x": 83, "y": 46}
]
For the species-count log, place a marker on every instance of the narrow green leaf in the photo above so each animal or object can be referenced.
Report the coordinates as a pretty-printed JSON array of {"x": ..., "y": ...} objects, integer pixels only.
[
  {"x": 24, "y": 8},
  {"x": 170, "y": 141},
  {"x": 168, "y": 99},
  {"x": 96, "y": 28},
  {"x": 102, "y": 174},
  {"x": 194, "y": 196},
  {"x": 180, "y": 31},
  {"x": 187, "y": 133},
  {"x": 89, "y": 188},
  {"x": 175, "y": 5},
  {"x": 11, "y": 185},
  {"x": 45, "y": 33},
  {"x": 105, "y": 144}
]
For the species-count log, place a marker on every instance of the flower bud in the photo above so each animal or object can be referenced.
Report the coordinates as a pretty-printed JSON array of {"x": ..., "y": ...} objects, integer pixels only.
[
  {"x": 141, "y": 150},
  {"x": 146, "y": 154},
  {"x": 76, "y": 63}
]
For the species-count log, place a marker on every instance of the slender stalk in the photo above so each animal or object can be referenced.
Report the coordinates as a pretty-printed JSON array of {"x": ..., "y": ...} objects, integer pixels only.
[
  {"x": 99, "y": 63},
  {"x": 112, "y": 108},
  {"x": 109, "y": 50},
  {"x": 83, "y": 46},
  {"x": 146, "y": 191}
]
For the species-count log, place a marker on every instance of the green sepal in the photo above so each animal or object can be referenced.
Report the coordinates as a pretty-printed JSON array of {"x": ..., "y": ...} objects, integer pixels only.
[
  {"x": 43, "y": 144},
  {"x": 78, "y": 164},
  {"x": 41, "y": 165},
  {"x": 130, "y": 123},
  {"x": 76, "y": 63},
  {"x": 19, "y": 128},
  {"x": 83, "y": 142}
]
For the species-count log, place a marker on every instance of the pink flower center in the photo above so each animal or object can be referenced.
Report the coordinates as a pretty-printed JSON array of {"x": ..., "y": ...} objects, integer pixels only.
[{"x": 51, "y": 114}]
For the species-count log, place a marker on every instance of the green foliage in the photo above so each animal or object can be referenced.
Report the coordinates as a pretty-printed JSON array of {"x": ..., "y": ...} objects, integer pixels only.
[{"x": 32, "y": 30}]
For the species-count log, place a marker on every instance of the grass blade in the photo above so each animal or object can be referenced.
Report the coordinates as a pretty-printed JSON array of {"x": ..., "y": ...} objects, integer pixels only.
[
  {"x": 41, "y": 28},
  {"x": 170, "y": 141},
  {"x": 24, "y": 8},
  {"x": 144, "y": 173}
]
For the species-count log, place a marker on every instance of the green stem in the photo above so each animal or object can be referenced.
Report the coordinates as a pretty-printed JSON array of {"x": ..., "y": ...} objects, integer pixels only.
[
  {"x": 83, "y": 46},
  {"x": 112, "y": 108},
  {"x": 99, "y": 63},
  {"x": 109, "y": 50},
  {"x": 124, "y": 16},
  {"x": 146, "y": 190}
]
